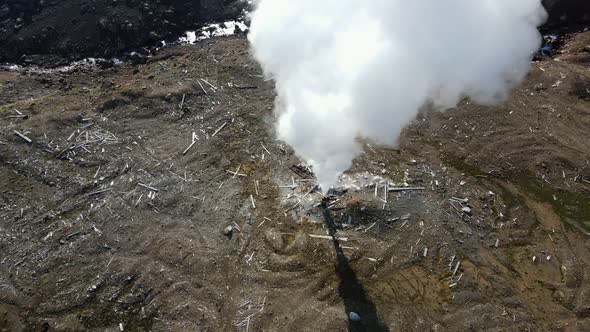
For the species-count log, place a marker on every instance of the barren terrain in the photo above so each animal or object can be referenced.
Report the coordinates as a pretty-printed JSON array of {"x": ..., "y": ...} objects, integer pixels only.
[{"x": 112, "y": 219}]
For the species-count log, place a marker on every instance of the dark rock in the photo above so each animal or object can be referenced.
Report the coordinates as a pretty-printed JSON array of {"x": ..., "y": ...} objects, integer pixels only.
[
  {"x": 353, "y": 316},
  {"x": 4, "y": 12},
  {"x": 104, "y": 64},
  {"x": 567, "y": 12},
  {"x": 100, "y": 28},
  {"x": 137, "y": 59}
]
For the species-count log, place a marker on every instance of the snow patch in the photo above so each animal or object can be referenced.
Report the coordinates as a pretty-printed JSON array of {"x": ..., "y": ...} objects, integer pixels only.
[{"x": 228, "y": 28}]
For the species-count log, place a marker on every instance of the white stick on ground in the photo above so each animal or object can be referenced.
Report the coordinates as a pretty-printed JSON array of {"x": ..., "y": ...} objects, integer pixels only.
[
  {"x": 265, "y": 149},
  {"x": 234, "y": 173},
  {"x": 211, "y": 85},
  {"x": 148, "y": 187},
  {"x": 25, "y": 138},
  {"x": 406, "y": 189},
  {"x": 328, "y": 237},
  {"x": 182, "y": 102},
  {"x": 368, "y": 228},
  {"x": 99, "y": 192},
  {"x": 138, "y": 200},
  {"x": 456, "y": 268},
  {"x": 202, "y": 88},
  {"x": 219, "y": 129},
  {"x": 237, "y": 171},
  {"x": 252, "y": 200},
  {"x": 190, "y": 146}
]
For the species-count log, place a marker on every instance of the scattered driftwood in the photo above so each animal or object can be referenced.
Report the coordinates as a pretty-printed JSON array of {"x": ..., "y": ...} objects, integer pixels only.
[
  {"x": 148, "y": 187},
  {"x": 459, "y": 200},
  {"x": 25, "y": 138},
  {"x": 328, "y": 237},
  {"x": 99, "y": 192},
  {"x": 303, "y": 171},
  {"x": 265, "y": 149},
  {"x": 81, "y": 119},
  {"x": 74, "y": 147},
  {"x": 209, "y": 84},
  {"x": 234, "y": 174},
  {"x": 182, "y": 102},
  {"x": 293, "y": 185},
  {"x": 464, "y": 210},
  {"x": 237, "y": 171},
  {"x": 97, "y": 136},
  {"x": 219, "y": 129},
  {"x": 456, "y": 268},
  {"x": 252, "y": 200},
  {"x": 19, "y": 115},
  {"x": 194, "y": 140},
  {"x": 245, "y": 87},
  {"x": 393, "y": 189},
  {"x": 582, "y": 178},
  {"x": 202, "y": 88},
  {"x": 369, "y": 228}
]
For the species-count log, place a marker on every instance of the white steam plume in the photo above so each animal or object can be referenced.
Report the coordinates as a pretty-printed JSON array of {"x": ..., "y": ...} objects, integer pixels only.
[{"x": 350, "y": 69}]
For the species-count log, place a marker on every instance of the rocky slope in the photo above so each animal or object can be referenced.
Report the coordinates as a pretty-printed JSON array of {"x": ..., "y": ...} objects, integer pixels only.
[
  {"x": 81, "y": 28},
  {"x": 78, "y": 28},
  {"x": 567, "y": 12}
]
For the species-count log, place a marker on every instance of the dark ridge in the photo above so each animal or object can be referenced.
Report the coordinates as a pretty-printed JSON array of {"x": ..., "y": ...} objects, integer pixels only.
[
  {"x": 74, "y": 29},
  {"x": 567, "y": 14}
]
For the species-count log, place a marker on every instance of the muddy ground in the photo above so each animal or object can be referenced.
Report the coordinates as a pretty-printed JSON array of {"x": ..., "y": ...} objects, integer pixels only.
[{"x": 109, "y": 221}]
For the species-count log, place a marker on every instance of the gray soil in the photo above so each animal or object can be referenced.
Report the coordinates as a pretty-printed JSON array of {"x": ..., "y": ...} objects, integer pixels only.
[{"x": 106, "y": 225}]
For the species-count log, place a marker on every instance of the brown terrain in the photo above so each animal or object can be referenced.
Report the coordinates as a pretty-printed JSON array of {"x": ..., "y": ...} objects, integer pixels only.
[{"x": 110, "y": 222}]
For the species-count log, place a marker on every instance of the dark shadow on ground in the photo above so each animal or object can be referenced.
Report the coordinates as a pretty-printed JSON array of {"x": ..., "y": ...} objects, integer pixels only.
[{"x": 351, "y": 290}]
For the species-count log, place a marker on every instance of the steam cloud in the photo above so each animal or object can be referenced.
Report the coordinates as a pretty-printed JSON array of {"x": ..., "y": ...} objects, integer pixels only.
[{"x": 350, "y": 69}]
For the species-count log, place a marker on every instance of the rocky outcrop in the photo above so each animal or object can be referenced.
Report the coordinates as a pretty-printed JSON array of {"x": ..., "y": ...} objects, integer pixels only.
[
  {"x": 567, "y": 12},
  {"x": 99, "y": 28},
  {"x": 77, "y": 28}
]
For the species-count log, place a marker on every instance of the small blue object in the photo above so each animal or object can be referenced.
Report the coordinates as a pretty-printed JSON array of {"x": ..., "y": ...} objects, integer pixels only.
[
  {"x": 354, "y": 316},
  {"x": 547, "y": 49}
]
